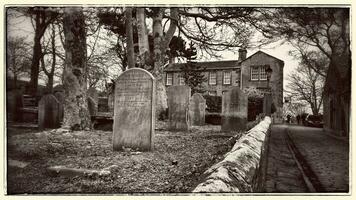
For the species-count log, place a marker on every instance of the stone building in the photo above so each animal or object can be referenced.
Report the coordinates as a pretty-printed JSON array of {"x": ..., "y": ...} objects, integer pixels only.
[
  {"x": 244, "y": 72},
  {"x": 337, "y": 98}
]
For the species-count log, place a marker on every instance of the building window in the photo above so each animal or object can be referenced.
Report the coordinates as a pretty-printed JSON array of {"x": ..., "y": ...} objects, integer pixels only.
[
  {"x": 263, "y": 74},
  {"x": 212, "y": 78},
  {"x": 259, "y": 73},
  {"x": 169, "y": 79},
  {"x": 181, "y": 80},
  {"x": 255, "y": 73},
  {"x": 227, "y": 78}
]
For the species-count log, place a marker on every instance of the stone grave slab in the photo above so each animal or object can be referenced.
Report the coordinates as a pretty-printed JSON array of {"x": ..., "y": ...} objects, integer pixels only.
[
  {"x": 234, "y": 110},
  {"x": 134, "y": 110},
  {"x": 178, "y": 107},
  {"x": 48, "y": 112},
  {"x": 197, "y": 107}
]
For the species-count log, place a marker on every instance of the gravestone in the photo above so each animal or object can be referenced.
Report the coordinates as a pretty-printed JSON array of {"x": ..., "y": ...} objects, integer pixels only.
[
  {"x": 60, "y": 97},
  {"x": 234, "y": 110},
  {"x": 134, "y": 110},
  {"x": 267, "y": 104},
  {"x": 92, "y": 106},
  {"x": 178, "y": 107},
  {"x": 48, "y": 112},
  {"x": 14, "y": 103},
  {"x": 197, "y": 107}
]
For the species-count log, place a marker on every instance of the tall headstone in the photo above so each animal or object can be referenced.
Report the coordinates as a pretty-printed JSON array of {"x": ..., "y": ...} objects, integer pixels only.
[
  {"x": 134, "y": 110},
  {"x": 178, "y": 107},
  {"x": 197, "y": 107},
  {"x": 234, "y": 110},
  {"x": 48, "y": 112},
  {"x": 60, "y": 97},
  {"x": 14, "y": 103}
]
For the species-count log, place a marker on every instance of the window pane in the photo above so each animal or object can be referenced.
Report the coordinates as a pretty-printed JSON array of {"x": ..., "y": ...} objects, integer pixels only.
[
  {"x": 254, "y": 73},
  {"x": 227, "y": 78},
  {"x": 263, "y": 74},
  {"x": 169, "y": 80},
  {"x": 212, "y": 78}
]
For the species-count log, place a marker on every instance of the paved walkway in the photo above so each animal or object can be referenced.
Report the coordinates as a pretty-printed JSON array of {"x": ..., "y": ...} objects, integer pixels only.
[
  {"x": 326, "y": 157},
  {"x": 283, "y": 175}
]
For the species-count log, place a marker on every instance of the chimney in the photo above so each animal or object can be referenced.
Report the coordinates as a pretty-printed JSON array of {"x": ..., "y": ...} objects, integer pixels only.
[{"x": 242, "y": 54}]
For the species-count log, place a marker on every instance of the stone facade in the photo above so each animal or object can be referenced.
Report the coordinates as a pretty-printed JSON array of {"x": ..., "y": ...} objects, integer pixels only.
[{"x": 236, "y": 73}]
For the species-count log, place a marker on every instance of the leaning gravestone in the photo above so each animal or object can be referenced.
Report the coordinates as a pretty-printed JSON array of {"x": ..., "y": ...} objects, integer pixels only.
[
  {"x": 134, "y": 110},
  {"x": 234, "y": 110},
  {"x": 48, "y": 112},
  {"x": 178, "y": 107},
  {"x": 197, "y": 107}
]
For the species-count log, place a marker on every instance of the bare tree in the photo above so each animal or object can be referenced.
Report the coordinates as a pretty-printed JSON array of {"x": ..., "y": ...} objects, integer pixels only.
[
  {"x": 18, "y": 58},
  {"x": 307, "y": 85}
]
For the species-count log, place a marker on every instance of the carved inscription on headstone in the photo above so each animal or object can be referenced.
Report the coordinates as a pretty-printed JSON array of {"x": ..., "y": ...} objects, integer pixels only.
[
  {"x": 178, "y": 107},
  {"x": 134, "y": 110},
  {"x": 197, "y": 107},
  {"x": 234, "y": 110}
]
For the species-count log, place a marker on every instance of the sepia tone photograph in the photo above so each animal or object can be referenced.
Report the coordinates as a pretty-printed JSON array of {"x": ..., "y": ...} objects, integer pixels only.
[{"x": 177, "y": 100}]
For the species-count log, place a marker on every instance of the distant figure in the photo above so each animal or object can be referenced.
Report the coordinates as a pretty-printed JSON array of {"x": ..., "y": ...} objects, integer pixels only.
[
  {"x": 298, "y": 119},
  {"x": 288, "y": 119}
]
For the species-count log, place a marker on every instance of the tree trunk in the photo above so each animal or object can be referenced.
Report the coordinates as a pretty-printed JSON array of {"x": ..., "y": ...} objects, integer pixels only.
[
  {"x": 129, "y": 38},
  {"x": 142, "y": 37},
  {"x": 35, "y": 65},
  {"x": 76, "y": 114},
  {"x": 161, "y": 95}
]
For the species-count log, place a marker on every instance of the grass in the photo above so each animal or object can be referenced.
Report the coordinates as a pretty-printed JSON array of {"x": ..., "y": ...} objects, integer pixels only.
[{"x": 175, "y": 166}]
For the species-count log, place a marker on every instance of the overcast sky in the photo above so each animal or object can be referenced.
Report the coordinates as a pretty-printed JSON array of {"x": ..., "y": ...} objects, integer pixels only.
[{"x": 23, "y": 27}]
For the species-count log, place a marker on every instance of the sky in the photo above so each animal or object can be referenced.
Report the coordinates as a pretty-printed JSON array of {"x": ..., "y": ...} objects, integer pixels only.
[{"x": 23, "y": 27}]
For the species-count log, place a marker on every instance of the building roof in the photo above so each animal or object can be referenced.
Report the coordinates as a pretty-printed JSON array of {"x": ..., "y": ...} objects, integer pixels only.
[
  {"x": 212, "y": 65},
  {"x": 259, "y": 52}
]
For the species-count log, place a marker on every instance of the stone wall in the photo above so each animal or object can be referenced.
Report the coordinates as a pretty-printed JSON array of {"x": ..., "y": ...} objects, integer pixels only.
[{"x": 242, "y": 168}]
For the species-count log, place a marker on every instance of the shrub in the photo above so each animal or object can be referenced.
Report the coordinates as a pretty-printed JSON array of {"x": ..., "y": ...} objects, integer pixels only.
[{"x": 213, "y": 103}]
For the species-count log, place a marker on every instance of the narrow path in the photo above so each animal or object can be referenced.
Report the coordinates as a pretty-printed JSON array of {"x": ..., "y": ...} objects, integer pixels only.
[
  {"x": 283, "y": 174},
  {"x": 304, "y": 159}
]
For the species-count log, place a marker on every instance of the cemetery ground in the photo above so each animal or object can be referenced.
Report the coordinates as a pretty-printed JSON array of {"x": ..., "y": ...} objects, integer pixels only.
[{"x": 175, "y": 165}]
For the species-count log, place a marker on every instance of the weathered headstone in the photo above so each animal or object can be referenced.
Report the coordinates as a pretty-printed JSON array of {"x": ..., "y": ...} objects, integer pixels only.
[
  {"x": 134, "y": 110},
  {"x": 60, "y": 97},
  {"x": 92, "y": 106},
  {"x": 48, "y": 112},
  {"x": 14, "y": 103},
  {"x": 267, "y": 104},
  {"x": 234, "y": 110},
  {"x": 197, "y": 107},
  {"x": 178, "y": 107}
]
